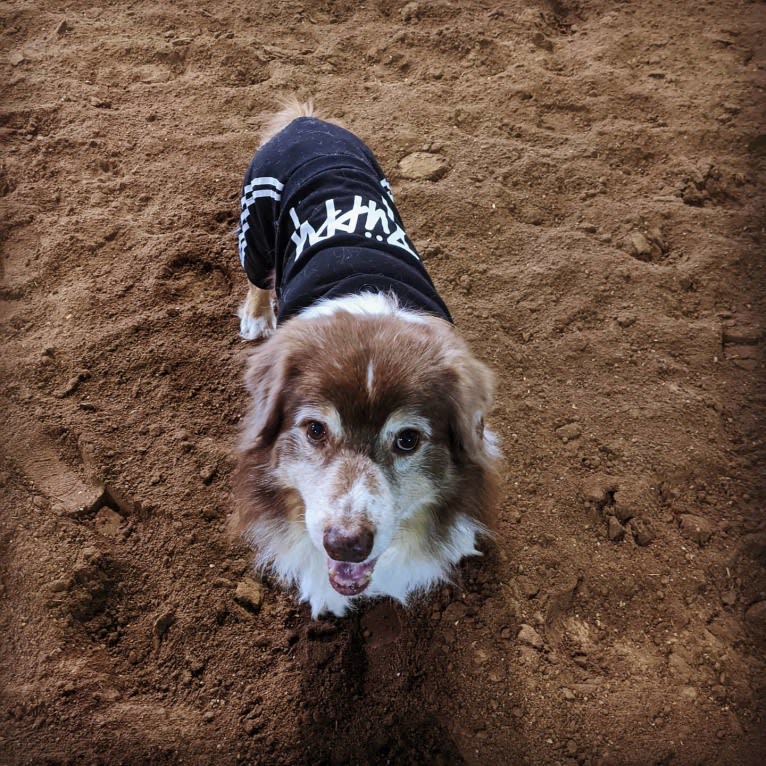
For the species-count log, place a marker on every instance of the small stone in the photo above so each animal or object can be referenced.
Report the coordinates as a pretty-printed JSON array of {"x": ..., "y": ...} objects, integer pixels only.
[
  {"x": 454, "y": 612},
  {"x": 529, "y": 636},
  {"x": 62, "y": 27},
  {"x": 696, "y": 528},
  {"x": 99, "y": 103},
  {"x": 249, "y": 594},
  {"x": 689, "y": 693},
  {"x": 539, "y": 40},
  {"x": 598, "y": 490},
  {"x": 15, "y": 58},
  {"x": 642, "y": 531},
  {"x": 207, "y": 474},
  {"x": 639, "y": 246},
  {"x": 57, "y": 586},
  {"x": 646, "y": 247},
  {"x": 729, "y": 598},
  {"x": 567, "y": 694},
  {"x": 423, "y": 166},
  {"x": 410, "y": 11},
  {"x": 72, "y": 384},
  {"x": 481, "y": 656},
  {"x": 569, "y": 432},
  {"x": 615, "y": 530},
  {"x": 161, "y": 627}
]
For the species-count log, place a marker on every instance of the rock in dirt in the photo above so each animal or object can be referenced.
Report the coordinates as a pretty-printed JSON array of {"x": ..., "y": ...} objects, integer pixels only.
[
  {"x": 72, "y": 384},
  {"x": 161, "y": 626},
  {"x": 410, "y": 11},
  {"x": 529, "y": 636},
  {"x": 539, "y": 40},
  {"x": 207, "y": 473},
  {"x": 426, "y": 166},
  {"x": 598, "y": 490},
  {"x": 615, "y": 530},
  {"x": 649, "y": 246},
  {"x": 696, "y": 528},
  {"x": 249, "y": 594},
  {"x": 642, "y": 531},
  {"x": 569, "y": 432}
]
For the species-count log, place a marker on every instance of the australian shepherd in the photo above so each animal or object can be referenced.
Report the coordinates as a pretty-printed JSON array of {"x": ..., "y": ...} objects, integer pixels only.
[{"x": 364, "y": 467}]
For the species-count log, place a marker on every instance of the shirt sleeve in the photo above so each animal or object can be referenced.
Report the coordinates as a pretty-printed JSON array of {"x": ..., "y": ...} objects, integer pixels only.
[{"x": 261, "y": 196}]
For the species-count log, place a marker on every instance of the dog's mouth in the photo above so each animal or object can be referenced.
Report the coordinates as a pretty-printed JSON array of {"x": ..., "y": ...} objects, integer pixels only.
[{"x": 350, "y": 579}]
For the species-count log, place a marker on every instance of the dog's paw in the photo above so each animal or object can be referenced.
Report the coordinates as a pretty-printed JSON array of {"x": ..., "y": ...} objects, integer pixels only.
[{"x": 254, "y": 328}]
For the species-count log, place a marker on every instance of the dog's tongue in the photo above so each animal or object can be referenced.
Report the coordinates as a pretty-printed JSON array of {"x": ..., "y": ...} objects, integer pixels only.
[{"x": 350, "y": 579}]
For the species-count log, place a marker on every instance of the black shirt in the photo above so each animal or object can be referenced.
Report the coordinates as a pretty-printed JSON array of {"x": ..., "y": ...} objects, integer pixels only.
[{"x": 319, "y": 221}]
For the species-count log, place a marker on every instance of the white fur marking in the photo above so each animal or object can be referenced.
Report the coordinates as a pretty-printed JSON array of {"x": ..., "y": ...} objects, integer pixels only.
[
  {"x": 252, "y": 328},
  {"x": 364, "y": 304}
]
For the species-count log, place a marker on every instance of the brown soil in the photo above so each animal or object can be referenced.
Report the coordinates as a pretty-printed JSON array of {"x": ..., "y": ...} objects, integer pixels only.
[{"x": 595, "y": 225}]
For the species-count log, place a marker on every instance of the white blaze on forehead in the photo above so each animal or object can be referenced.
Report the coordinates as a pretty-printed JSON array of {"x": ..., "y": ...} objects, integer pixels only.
[
  {"x": 370, "y": 376},
  {"x": 324, "y": 413}
]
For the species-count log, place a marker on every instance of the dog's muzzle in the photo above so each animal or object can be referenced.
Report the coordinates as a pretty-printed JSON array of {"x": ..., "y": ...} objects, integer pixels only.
[{"x": 347, "y": 549}]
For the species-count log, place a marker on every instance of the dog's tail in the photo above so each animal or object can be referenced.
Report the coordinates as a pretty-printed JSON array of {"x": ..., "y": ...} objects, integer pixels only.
[{"x": 292, "y": 108}]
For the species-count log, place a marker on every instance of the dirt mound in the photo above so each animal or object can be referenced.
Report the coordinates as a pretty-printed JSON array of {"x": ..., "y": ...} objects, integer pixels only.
[{"x": 585, "y": 181}]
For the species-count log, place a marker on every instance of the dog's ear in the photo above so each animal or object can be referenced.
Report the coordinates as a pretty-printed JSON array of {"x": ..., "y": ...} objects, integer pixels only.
[
  {"x": 266, "y": 379},
  {"x": 471, "y": 400}
]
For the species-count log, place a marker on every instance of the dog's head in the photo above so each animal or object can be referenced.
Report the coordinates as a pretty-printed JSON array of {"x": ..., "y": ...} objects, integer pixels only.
[{"x": 367, "y": 432}]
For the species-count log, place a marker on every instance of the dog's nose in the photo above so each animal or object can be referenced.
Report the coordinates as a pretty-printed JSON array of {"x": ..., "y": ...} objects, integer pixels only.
[{"x": 353, "y": 545}]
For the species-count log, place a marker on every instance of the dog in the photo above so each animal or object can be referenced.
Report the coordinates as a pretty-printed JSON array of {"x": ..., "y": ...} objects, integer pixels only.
[{"x": 364, "y": 467}]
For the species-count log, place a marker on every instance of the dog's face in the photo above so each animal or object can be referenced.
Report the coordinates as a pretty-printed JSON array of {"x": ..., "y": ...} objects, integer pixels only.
[{"x": 368, "y": 432}]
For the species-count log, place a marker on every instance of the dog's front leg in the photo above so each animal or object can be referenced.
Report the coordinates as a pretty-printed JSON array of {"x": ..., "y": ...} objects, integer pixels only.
[{"x": 256, "y": 314}]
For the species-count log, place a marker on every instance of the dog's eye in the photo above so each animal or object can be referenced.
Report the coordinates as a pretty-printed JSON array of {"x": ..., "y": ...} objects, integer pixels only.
[
  {"x": 406, "y": 440},
  {"x": 316, "y": 431}
]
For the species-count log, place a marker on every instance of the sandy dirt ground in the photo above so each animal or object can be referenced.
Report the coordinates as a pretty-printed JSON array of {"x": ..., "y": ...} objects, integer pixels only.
[{"x": 585, "y": 181}]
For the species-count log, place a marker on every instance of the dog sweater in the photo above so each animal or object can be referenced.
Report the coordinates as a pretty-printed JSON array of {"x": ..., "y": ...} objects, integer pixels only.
[{"x": 318, "y": 221}]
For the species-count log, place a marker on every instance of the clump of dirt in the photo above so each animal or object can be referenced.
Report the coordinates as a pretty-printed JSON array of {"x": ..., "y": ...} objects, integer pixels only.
[{"x": 585, "y": 181}]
